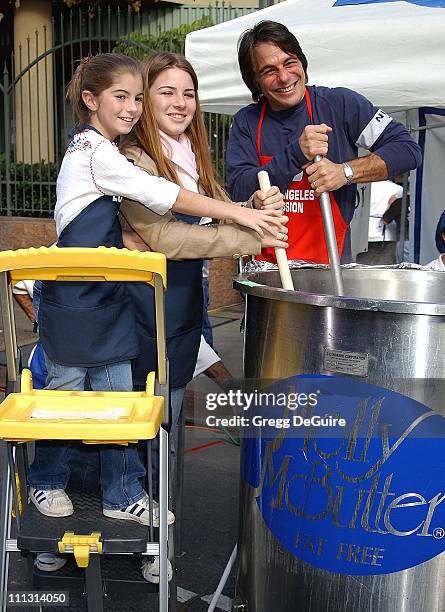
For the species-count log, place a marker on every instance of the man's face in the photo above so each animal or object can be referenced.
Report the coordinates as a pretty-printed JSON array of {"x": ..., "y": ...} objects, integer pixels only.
[{"x": 280, "y": 76}]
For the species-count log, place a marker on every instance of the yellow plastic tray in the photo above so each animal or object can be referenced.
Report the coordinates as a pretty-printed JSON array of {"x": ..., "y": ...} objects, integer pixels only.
[
  {"x": 99, "y": 264},
  {"x": 140, "y": 415}
]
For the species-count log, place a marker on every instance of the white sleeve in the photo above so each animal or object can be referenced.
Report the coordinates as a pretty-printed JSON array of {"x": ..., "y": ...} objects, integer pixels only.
[
  {"x": 437, "y": 264},
  {"x": 206, "y": 357},
  {"x": 392, "y": 190},
  {"x": 113, "y": 174},
  {"x": 24, "y": 287}
]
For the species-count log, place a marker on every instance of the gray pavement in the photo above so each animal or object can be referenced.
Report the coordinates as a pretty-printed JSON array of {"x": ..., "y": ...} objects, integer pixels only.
[
  {"x": 25, "y": 335},
  {"x": 210, "y": 510}
]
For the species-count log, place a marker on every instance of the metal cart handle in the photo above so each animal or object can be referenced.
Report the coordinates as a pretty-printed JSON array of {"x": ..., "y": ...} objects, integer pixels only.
[
  {"x": 82, "y": 264},
  {"x": 99, "y": 264}
]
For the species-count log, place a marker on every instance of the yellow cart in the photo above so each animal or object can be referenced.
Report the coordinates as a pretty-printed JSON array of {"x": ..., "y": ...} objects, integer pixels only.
[{"x": 27, "y": 415}]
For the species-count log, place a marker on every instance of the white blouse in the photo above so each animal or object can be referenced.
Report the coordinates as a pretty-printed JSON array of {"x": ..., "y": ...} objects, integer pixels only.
[
  {"x": 437, "y": 264},
  {"x": 93, "y": 167}
]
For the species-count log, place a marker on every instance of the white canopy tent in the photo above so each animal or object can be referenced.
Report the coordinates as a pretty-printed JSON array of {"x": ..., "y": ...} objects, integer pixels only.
[{"x": 391, "y": 52}]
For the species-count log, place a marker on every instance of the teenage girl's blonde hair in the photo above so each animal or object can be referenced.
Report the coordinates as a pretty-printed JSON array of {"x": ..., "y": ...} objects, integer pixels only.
[
  {"x": 97, "y": 73},
  {"x": 148, "y": 139}
]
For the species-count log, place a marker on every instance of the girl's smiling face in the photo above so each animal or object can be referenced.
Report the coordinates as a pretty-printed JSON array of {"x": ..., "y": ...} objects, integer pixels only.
[
  {"x": 173, "y": 101},
  {"x": 116, "y": 109}
]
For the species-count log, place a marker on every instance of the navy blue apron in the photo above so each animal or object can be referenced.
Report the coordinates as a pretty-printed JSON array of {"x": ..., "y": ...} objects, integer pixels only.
[
  {"x": 183, "y": 315},
  {"x": 89, "y": 324}
]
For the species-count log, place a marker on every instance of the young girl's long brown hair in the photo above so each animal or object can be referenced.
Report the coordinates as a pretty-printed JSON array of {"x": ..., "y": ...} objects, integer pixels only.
[{"x": 145, "y": 134}]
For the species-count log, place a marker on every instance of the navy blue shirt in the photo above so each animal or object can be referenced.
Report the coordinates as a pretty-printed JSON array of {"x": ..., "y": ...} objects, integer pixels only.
[{"x": 355, "y": 122}]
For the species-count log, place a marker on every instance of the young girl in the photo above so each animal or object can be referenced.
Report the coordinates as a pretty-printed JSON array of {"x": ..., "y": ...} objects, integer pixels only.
[{"x": 89, "y": 328}]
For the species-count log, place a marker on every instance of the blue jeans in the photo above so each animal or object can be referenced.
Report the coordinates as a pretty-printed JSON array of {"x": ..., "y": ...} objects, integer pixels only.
[
  {"x": 402, "y": 252},
  {"x": 121, "y": 467}
]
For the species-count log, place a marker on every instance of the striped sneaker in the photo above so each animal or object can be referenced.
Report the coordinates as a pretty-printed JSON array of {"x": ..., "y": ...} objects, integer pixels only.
[
  {"x": 151, "y": 571},
  {"x": 49, "y": 562},
  {"x": 139, "y": 512},
  {"x": 54, "y": 502}
]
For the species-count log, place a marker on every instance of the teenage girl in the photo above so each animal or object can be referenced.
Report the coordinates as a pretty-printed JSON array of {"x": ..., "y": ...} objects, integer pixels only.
[
  {"x": 170, "y": 141},
  {"x": 89, "y": 328}
]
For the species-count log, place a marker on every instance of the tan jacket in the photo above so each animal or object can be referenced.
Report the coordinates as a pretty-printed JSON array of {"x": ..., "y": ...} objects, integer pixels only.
[{"x": 179, "y": 240}]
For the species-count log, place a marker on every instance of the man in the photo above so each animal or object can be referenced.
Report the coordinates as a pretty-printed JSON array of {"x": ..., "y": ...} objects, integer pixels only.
[{"x": 289, "y": 124}]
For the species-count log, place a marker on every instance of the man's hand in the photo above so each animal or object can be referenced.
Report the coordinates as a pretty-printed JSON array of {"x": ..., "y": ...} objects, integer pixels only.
[
  {"x": 325, "y": 176},
  {"x": 314, "y": 140},
  {"x": 271, "y": 199}
]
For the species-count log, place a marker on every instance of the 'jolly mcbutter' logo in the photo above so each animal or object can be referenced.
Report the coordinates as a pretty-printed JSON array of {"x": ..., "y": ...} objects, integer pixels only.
[{"x": 365, "y": 499}]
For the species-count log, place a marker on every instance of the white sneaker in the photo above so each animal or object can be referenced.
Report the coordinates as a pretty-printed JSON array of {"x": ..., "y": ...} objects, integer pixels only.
[
  {"x": 150, "y": 570},
  {"x": 54, "y": 502},
  {"x": 49, "y": 562},
  {"x": 139, "y": 512}
]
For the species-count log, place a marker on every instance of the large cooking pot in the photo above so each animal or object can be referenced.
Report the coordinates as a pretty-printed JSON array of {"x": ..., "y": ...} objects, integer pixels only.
[{"x": 325, "y": 525}]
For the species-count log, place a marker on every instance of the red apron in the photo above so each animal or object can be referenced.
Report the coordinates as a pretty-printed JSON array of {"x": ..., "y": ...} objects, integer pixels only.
[{"x": 301, "y": 205}]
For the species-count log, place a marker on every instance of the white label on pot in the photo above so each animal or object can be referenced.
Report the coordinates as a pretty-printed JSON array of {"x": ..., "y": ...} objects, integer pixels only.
[{"x": 346, "y": 362}]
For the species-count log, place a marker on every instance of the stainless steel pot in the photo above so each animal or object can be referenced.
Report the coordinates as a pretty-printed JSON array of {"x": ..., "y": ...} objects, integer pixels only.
[{"x": 390, "y": 332}]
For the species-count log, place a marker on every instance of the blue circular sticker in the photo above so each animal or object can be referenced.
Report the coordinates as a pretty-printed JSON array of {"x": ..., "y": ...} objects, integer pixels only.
[{"x": 356, "y": 483}]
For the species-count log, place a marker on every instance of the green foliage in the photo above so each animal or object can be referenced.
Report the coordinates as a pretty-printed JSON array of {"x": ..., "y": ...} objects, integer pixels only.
[
  {"x": 138, "y": 45},
  {"x": 134, "y": 45},
  {"x": 33, "y": 188}
]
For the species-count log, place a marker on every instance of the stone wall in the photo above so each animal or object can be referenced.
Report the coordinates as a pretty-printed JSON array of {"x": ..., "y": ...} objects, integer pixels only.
[
  {"x": 25, "y": 232},
  {"x": 221, "y": 272}
]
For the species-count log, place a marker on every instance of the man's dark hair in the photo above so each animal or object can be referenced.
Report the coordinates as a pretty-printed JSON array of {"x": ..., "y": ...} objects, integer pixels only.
[{"x": 265, "y": 32}]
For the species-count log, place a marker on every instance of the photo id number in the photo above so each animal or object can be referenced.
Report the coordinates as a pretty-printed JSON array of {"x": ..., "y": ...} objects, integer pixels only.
[{"x": 37, "y": 598}]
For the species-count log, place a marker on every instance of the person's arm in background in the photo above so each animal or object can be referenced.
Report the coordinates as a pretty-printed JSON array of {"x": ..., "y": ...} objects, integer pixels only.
[
  {"x": 25, "y": 303},
  {"x": 22, "y": 292},
  {"x": 393, "y": 212},
  {"x": 243, "y": 164}
]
